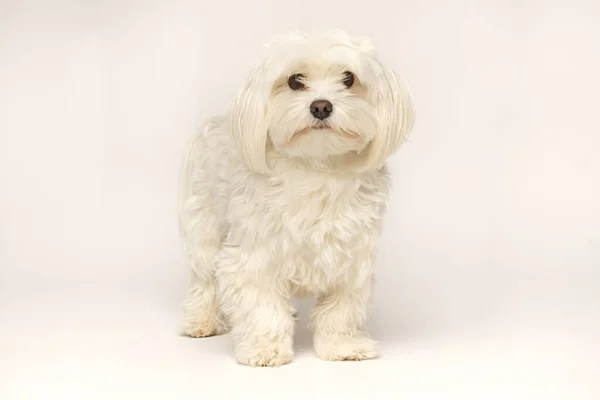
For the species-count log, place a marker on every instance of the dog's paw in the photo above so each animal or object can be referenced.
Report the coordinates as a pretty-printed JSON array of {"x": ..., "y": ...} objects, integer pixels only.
[
  {"x": 268, "y": 355},
  {"x": 345, "y": 348},
  {"x": 203, "y": 325}
]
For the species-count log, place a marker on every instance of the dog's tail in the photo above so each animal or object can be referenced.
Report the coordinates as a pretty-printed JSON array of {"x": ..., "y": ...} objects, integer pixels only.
[{"x": 186, "y": 182}]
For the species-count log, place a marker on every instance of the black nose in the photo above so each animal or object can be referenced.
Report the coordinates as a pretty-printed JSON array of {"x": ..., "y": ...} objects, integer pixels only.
[{"x": 321, "y": 109}]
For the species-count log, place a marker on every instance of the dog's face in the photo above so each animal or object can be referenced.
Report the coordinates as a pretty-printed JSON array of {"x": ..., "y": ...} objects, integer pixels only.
[
  {"x": 320, "y": 108},
  {"x": 320, "y": 96}
]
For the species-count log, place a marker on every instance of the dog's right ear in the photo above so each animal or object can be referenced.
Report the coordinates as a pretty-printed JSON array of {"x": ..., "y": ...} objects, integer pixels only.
[
  {"x": 394, "y": 103},
  {"x": 248, "y": 125}
]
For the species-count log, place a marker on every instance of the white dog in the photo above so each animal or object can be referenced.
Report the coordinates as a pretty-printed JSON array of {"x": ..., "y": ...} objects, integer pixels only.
[{"x": 285, "y": 198}]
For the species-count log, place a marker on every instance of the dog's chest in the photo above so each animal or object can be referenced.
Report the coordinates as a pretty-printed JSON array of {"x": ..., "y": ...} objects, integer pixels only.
[
  {"x": 320, "y": 211},
  {"x": 326, "y": 226},
  {"x": 314, "y": 230}
]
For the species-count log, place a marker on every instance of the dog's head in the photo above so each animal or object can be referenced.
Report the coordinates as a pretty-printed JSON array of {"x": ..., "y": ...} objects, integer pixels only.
[{"x": 318, "y": 97}]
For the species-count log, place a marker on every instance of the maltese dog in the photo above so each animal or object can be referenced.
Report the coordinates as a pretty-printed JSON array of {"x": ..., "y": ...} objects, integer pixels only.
[{"x": 285, "y": 198}]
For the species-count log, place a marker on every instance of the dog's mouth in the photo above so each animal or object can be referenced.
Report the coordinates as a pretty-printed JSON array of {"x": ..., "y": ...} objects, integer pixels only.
[
  {"x": 323, "y": 126},
  {"x": 320, "y": 126}
]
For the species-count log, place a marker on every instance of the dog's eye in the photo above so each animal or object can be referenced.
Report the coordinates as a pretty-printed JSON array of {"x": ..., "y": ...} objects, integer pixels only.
[
  {"x": 348, "y": 79},
  {"x": 295, "y": 83}
]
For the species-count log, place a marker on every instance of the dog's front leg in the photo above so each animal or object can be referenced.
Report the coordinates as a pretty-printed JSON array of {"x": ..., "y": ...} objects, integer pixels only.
[
  {"x": 258, "y": 307},
  {"x": 338, "y": 322}
]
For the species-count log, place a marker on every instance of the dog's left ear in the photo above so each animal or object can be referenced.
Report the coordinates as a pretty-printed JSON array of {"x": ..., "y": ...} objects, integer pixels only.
[
  {"x": 248, "y": 125},
  {"x": 396, "y": 115}
]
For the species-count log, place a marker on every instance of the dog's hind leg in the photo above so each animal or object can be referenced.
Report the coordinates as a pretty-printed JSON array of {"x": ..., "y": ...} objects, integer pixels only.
[
  {"x": 201, "y": 233},
  {"x": 201, "y": 311}
]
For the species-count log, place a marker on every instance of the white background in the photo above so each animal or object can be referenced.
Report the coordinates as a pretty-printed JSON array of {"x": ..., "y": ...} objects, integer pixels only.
[{"x": 489, "y": 267}]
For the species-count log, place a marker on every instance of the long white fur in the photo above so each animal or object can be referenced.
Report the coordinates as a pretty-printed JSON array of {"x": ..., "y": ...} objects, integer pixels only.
[{"x": 272, "y": 208}]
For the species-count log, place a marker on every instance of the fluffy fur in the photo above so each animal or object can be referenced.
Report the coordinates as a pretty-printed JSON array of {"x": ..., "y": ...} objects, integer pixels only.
[{"x": 275, "y": 203}]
